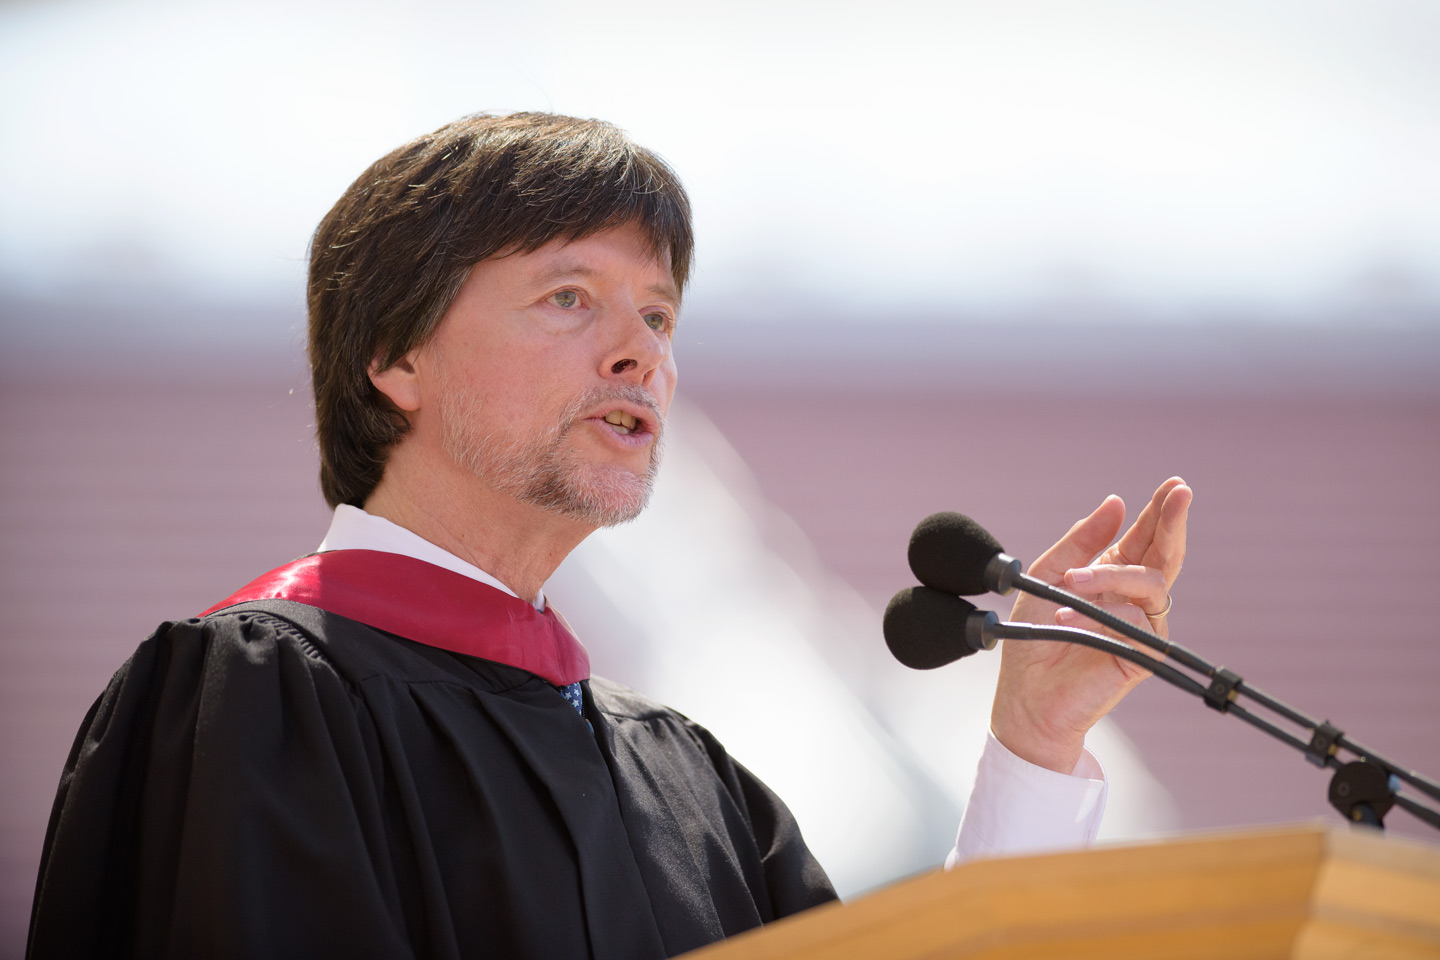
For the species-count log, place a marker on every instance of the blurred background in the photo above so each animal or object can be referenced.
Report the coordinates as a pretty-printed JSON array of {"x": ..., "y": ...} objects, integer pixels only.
[{"x": 1003, "y": 258}]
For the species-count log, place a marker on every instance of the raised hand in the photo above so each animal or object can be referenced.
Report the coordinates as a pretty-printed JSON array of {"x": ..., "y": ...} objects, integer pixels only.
[{"x": 1050, "y": 694}]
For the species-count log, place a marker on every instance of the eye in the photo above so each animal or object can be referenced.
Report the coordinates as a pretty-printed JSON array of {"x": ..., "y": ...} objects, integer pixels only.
[
  {"x": 565, "y": 299},
  {"x": 659, "y": 322}
]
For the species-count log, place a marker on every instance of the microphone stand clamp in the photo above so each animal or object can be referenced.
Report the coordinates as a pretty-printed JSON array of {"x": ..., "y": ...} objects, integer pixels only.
[{"x": 1361, "y": 792}]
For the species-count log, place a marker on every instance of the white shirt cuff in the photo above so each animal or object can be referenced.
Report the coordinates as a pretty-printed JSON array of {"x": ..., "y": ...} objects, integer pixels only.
[{"x": 1020, "y": 808}]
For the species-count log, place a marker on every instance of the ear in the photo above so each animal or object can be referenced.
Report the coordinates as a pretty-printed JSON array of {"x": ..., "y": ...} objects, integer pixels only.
[{"x": 399, "y": 382}]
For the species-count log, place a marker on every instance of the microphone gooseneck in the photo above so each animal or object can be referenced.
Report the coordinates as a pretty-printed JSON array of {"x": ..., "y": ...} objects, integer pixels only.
[{"x": 926, "y": 629}]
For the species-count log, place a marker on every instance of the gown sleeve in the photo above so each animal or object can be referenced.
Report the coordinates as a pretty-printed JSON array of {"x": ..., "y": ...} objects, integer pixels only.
[{"x": 220, "y": 801}]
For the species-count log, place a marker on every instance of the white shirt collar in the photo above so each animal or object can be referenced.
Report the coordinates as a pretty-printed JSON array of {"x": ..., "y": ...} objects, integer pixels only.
[{"x": 353, "y": 529}]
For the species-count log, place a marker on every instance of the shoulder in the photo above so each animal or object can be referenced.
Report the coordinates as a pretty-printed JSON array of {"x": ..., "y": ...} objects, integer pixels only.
[
  {"x": 353, "y": 651},
  {"x": 218, "y": 707},
  {"x": 617, "y": 700},
  {"x": 648, "y": 724},
  {"x": 230, "y": 669},
  {"x": 258, "y": 635},
  {"x": 184, "y": 653},
  {"x": 222, "y": 650}
]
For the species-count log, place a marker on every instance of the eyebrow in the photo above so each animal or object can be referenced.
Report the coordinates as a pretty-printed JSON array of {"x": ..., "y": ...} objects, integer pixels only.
[{"x": 574, "y": 268}]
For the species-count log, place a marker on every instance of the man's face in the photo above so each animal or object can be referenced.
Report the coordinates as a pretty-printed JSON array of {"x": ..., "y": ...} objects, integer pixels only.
[{"x": 552, "y": 372}]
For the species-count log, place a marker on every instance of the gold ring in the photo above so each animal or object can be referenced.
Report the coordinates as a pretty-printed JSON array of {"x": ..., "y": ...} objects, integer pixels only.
[{"x": 1169, "y": 602}]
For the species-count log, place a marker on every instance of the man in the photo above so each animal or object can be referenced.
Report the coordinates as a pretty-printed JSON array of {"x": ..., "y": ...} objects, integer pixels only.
[{"x": 393, "y": 747}]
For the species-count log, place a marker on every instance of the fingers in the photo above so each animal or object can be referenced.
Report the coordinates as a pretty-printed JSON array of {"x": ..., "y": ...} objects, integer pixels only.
[
  {"x": 1167, "y": 551},
  {"x": 1084, "y": 540},
  {"x": 1141, "y": 535},
  {"x": 1145, "y": 587}
]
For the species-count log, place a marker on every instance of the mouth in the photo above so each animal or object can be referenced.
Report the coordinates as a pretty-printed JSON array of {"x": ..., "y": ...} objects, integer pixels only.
[
  {"x": 623, "y": 422},
  {"x": 630, "y": 417}
]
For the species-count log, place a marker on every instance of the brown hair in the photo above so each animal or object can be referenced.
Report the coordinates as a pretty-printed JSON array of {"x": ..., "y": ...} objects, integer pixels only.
[{"x": 391, "y": 255}]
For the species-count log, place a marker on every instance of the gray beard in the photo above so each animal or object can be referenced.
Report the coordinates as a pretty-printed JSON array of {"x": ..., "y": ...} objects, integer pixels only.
[{"x": 545, "y": 471}]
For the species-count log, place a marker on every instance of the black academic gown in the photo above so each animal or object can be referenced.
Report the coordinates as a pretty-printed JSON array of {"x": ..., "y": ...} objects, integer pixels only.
[{"x": 278, "y": 781}]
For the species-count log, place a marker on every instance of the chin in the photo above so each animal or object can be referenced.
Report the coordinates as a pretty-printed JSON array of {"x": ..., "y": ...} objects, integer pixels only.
[{"x": 602, "y": 498}]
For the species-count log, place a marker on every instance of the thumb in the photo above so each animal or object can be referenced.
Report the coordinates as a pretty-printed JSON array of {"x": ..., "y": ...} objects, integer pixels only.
[{"x": 1082, "y": 543}]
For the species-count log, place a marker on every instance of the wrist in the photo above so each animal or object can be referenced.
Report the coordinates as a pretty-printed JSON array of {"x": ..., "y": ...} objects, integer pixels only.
[{"x": 1036, "y": 743}]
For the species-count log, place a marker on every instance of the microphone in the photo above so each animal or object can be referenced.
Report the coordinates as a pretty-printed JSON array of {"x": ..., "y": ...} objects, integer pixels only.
[
  {"x": 927, "y": 628},
  {"x": 951, "y": 552}
]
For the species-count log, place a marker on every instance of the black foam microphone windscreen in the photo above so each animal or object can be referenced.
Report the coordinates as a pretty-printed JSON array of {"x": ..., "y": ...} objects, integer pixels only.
[
  {"x": 949, "y": 551},
  {"x": 925, "y": 628}
]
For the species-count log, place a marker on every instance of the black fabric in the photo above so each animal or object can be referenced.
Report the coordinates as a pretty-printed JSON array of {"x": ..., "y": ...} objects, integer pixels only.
[{"x": 277, "y": 781}]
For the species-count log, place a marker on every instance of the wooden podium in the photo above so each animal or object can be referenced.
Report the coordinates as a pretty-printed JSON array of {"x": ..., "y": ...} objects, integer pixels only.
[{"x": 1308, "y": 892}]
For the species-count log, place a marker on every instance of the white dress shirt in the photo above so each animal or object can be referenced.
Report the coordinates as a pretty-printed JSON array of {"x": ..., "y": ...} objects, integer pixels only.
[
  {"x": 353, "y": 529},
  {"x": 1015, "y": 807}
]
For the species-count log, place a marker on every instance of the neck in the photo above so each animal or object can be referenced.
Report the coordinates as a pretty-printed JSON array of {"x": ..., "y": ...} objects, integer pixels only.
[{"x": 517, "y": 543}]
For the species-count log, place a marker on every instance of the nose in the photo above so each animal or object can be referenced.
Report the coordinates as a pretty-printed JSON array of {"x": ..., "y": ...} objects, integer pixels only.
[{"x": 635, "y": 351}]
